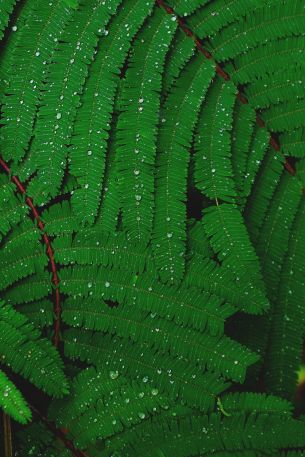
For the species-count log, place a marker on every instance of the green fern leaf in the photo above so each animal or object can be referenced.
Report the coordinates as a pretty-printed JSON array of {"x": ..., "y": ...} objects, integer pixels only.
[
  {"x": 229, "y": 239},
  {"x": 213, "y": 168},
  {"x": 59, "y": 102},
  {"x": 179, "y": 117},
  {"x": 12, "y": 401},
  {"x": 175, "y": 378},
  {"x": 89, "y": 146},
  {"x": 137, "y": 126}
]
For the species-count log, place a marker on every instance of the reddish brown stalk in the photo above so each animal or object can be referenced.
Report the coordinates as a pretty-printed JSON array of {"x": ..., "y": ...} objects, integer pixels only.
[
  {"x": 242, "y": 97},
  {"x": 7, "y": 432},
  {"x": 59, "y": 433},
  {"x": 49, "y": 250}
]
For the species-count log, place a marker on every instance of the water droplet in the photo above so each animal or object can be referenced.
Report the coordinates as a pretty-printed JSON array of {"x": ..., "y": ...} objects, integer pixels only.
[
  {"x": 86, "y": 186},
  {"x": 154, "y": 392},
  {"x": 89, "y": 153},
  {"x": 136, "y": 172},
  {"x": 169, "y": 235},
  {"x": 114, "y": 374},
  {"x": 89, "y": 284},
  {"x": 107, "y": 284},
  {"x": 138, "y": 197},
  {"x": 37, "y": 53},
  {"x": 14, "y": 28},
  {"x": 58, "y": 115},
  {"x": 141, "y": 415}
]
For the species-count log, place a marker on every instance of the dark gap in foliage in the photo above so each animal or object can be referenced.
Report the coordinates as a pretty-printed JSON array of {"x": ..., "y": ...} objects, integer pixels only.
[
  {"x": 125, "y": 66},
  {"x": 237, "y": 327},
  {"x": 194, "y": 203},
  {"x": 111, "y": 304},
  {"x": 194, "y": 199},
  {"x": 58, "y": 199},
  {"x": 292, "y": 161}
]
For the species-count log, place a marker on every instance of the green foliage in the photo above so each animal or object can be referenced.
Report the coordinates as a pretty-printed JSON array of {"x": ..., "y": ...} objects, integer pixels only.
[
  {"x": 12, "y": 401},
  {"x": 152, "y": 221}
]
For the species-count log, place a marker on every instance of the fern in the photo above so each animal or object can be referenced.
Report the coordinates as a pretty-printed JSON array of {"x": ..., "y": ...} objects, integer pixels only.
[{"x": 151, "y": 228}]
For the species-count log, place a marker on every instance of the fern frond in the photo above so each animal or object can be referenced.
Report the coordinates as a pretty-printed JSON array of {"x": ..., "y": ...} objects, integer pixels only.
[
  {"x": 242, "y": 133},
  {"x": 6, "y": 9},
  {"x": 286, "y": 338},
  {"x": 205, "y": 274},
  {"x": 39, "y": 312},
  {"x": 216, "y": 15},
  {"x": 28, "y": 262},
  {"x": 257, "y": 150},
  {"x": 292, "y": 143},
  {"x": 34, "y": 50},
  {"x": 268, "y": 59},
  {"x": 230, "y": 240},
  {"x": 137, "y": 125},
  {"x": 249, "y": 402},
  {"x": 25, "y": 291},
  {"x": 285, "y": 116},
  {"x": 180, "y": 52},
  {"x": 179, "y": 118},
  {"x": 213, "y": 168},
  {"x": 186, "y": 7},
  {"x": 262, "y": 192},
  {"x": 13, "y": 207},
  {"x": 207, "y": 435},
  {"x": 26, "y": 353},
  {"x": 109, "y": 210},
  {"x": 24, "y": 235},
  {"x": 163, "y": 335},
  {"x": 285, "y": 85},
  {"x": 174, "y": 377},
  {"x": 273, "y": 240},
  {"x": 147, "y": 294},
  {"x": 271, "y": 22},
  {"x": 12, "y": 401},
  {"x": 115, "y": 405},
  {"x": 89, "y": 141},
  {"x": 57, "y": 112},
  {"x": 96, "y": 247},
  {"x": 59, "y": 219}
]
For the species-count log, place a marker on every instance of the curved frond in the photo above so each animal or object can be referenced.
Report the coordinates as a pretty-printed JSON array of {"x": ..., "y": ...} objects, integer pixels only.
[
  {"x": 137, "y": 126},
  {"x": 12, "y": 401},
  {"x": 178, "y": 121},
  {"x": 92, "y": 124}
]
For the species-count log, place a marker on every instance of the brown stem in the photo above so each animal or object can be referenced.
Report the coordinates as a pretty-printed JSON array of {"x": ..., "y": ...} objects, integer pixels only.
[
  {"x": 57, "y": 305},
  {"x": 242, "y": 97},
  {"x": 60, "y": 434},
  {"x": 57, "y": 310},
  {"x": 7, "y": 432}
]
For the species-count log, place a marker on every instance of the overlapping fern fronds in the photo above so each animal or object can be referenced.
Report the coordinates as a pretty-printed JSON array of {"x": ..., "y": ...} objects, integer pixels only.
[{"x": 178, "y": 325}]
